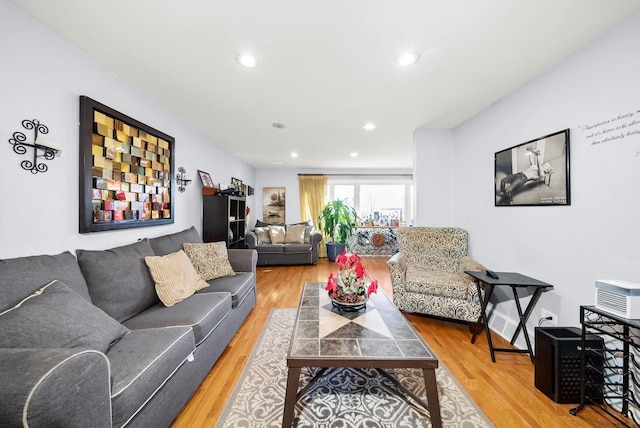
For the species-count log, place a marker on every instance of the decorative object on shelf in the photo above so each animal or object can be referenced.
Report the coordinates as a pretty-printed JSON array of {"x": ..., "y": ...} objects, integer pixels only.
[
  {"x": 378, "y": 239},
  {"x": 238, "y": 186},
  {"x": 181, "y": 179},
  {"x": 249, "y": 191},
  {"x": 351, "y": 287},
  {"x": 337, "y": 221},
  {"x": 273, "y": 205},
  {"x": 126, "y": 171},
  {"x": 534, "y": 173},
  {"x": 208, "y": 189},
  {"x": 48, "y": 148},
  {"x": 205, "y": 178}
]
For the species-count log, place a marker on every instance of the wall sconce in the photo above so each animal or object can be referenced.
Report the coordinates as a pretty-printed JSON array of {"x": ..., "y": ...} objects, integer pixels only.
[
  {"x": 182, "y": 180},
  {"x": 48, "y": 148}
]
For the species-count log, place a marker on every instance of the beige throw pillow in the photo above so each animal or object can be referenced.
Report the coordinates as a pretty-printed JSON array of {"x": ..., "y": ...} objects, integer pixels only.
[
  {"x": 210, "y": 260},
  {"x": 263, "y": 235},
  {"x": 277, "y": 234},
  {"x": 295, "y": 234},
  {"x": 174, "y": 277},
  {"x": 307, "y": 234}
]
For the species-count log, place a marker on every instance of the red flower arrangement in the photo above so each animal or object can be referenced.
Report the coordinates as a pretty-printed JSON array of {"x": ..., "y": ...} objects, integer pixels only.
[{"x": 351, "y": 283}]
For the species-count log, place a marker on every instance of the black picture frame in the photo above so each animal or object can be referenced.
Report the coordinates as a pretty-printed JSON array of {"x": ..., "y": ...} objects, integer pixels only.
[
  {"x": 206, "y": 180},
  {"x": 534, "y": 173},
  {"x": 125, "y": 173}
]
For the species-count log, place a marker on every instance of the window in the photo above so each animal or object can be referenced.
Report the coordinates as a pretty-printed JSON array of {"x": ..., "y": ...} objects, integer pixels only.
[{"x": 378, "y": 200}]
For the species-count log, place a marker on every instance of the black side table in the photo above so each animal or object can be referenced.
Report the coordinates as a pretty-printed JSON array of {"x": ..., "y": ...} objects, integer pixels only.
[{"x": 515, "y": 281}]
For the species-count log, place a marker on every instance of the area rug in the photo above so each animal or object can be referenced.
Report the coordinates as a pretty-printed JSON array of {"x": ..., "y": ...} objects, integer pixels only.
[{"x": 339, "y": 398}]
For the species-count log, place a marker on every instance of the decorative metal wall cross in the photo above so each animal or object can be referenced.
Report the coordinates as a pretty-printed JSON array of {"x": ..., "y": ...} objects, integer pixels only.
[{"x": 20, "y": 146}]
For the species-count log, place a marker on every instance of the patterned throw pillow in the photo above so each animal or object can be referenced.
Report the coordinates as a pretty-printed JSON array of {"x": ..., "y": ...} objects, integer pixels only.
[
  {"x": 307, "y": 234},
  {"x": 278, "y": 234},
  {"x": 210, "y": 260},
  {"x": 295, "y": 234},
  {"x": 174, "y": 276},
  {"x": 263, "y": 235}
]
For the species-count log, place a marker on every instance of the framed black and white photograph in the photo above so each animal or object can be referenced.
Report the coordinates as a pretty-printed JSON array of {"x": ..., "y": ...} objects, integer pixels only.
[{"x": 535, "y": 173}]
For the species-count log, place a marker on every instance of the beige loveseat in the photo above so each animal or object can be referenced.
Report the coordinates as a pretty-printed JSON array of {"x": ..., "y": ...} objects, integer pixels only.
[{"x": 427, "y": 274}]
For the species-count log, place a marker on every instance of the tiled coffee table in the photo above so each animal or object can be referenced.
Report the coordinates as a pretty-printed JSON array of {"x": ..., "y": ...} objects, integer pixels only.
[{"x": 377, "y": 337}]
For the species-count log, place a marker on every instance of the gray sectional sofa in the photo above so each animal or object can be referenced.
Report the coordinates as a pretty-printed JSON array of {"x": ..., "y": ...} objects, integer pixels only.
[
  {"x": 92, "y": 345},
  {"x": 299, "y": 249}
]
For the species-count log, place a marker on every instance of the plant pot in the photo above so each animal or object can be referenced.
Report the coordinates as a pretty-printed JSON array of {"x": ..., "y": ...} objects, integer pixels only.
[{"x": 334, "y": 250}]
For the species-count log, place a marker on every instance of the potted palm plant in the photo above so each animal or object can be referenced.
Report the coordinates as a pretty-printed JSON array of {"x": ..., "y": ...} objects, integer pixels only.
[{"x": 337, "y": 222}]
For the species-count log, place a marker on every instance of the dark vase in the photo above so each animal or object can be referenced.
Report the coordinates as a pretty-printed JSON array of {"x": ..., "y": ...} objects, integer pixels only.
[{"x": 334, "y": 250}]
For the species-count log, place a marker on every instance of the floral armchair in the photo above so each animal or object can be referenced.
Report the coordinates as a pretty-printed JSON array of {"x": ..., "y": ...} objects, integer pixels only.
[{"x": 428, "y": 276}]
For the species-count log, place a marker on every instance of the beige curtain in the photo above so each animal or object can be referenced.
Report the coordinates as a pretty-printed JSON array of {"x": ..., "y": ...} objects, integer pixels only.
[{"x": 312, "y": 200}]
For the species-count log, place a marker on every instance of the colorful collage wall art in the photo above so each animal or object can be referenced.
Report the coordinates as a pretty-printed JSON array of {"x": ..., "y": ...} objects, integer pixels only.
[{"x": 130, "y": 173}]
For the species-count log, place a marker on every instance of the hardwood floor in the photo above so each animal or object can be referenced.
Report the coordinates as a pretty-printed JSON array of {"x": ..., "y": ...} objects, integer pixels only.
[{"x": 504, "y": 390}]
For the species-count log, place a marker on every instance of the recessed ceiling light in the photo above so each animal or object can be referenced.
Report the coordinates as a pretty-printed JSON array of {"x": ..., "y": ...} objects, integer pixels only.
[
  {"x": 407, "y": 59},
  {"x": 294, "y": 155},
  {"x": 369, "y": 126},
  {"x": 277, "y": 163},
  {"x": 354, "y": 155},
  {"x": 247, "y": 61},
  {"x": 278, "y": 125}
]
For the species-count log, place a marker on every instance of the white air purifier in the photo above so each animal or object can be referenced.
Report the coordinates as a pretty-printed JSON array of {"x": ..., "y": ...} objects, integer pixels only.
[{"x": 620, "y": 298}]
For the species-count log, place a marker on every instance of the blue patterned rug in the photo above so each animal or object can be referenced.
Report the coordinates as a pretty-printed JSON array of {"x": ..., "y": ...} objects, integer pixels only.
[{"x": 339, "y": 398}]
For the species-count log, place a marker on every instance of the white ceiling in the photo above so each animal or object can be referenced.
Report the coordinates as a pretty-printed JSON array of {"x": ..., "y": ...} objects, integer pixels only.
[{"x": 326, "y": 67}]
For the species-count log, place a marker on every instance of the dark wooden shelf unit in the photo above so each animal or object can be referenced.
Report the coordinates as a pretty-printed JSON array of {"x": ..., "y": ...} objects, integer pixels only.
[{"x": 223, "y": 219}]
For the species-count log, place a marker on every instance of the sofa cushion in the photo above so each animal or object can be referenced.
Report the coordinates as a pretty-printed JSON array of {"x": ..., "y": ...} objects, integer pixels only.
[
  {"x": 210, "y": 260},
  {"x": 118, "y": 279},
  {"x": 173, "y": 242},
  {"x": 19, "y": 277},
  {"x": 202, "y": 312},
  {"x": 56, "y": 317},
  {"x": 437, "y": 283},
  {"x": 277, "y": 234},
  {"x": 141, "y": 363},
  {"x": 174, "y": 276},
  {"x": 295, "y": 234},
  {"x": 297, "y": 248},
  {"x": 239, "y": 286},
  {"x": 263, "y": 235},
  {"x": 270, "y": 248}
]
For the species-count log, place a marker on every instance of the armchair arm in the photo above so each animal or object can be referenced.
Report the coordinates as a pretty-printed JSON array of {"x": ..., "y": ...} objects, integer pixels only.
[
  {"x": 467, "y": 263},
  {"x": 398, "y": 269},
  {"x": 242, "y": 259},
  {"x": 54, "y": 387}
]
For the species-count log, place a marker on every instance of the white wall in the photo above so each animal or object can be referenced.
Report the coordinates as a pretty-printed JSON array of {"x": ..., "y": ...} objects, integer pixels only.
[
  {"x": 598, "y": 236},
  {"x": 433, "y": 177},
  {"x": 42, "y": 77}
]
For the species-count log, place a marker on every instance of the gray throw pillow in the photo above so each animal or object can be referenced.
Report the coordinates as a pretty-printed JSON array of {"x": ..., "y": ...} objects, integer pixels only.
[
  {"x": 118, "y": 279},
  {"x": 55, "y": 316}
]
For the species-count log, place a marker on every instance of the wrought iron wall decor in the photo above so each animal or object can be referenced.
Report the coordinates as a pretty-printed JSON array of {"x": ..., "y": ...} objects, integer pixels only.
[
  {"x": 20, "y": 146},
  {"x": 181, "y": 179},
  {"x": 126, "y": 171}
]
